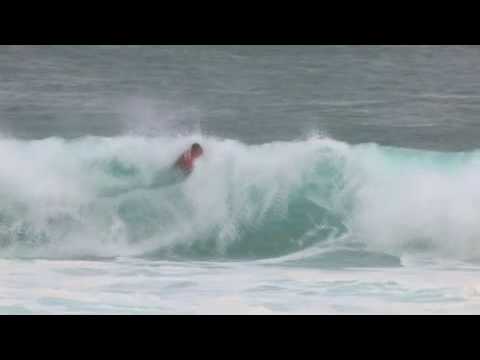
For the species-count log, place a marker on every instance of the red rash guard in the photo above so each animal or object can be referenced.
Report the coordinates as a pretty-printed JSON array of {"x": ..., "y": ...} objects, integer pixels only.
[{"x": 185, "y": 161}]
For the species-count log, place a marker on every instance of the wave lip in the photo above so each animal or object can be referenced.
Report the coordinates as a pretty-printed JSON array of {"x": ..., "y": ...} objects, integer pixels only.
[{"x": 95, "y": 197}]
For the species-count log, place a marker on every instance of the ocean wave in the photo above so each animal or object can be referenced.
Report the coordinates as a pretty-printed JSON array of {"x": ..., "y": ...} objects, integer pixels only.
[{"x": 101, "y": 197}]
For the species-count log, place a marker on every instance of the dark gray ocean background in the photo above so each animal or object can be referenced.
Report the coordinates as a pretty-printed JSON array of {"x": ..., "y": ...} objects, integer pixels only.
[{"x": 410, "y": 96}]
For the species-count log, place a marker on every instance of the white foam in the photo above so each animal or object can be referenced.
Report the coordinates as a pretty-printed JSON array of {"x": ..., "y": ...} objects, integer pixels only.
[{"x": 393, "y": 201}]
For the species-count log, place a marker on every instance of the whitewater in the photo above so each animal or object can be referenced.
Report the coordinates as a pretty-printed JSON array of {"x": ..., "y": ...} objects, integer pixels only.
[{"x": 316, "y": 215}]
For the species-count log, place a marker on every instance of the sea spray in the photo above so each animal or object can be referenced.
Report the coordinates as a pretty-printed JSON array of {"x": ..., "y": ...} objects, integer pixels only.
[{"x": 97, "y": 197}]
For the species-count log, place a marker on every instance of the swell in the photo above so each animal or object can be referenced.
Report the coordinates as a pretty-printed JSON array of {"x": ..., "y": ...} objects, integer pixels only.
[{"x": 116, "y": 197}]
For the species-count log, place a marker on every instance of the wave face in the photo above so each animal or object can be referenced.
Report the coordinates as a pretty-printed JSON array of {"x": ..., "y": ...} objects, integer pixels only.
[{"x": 92, "y": 197}]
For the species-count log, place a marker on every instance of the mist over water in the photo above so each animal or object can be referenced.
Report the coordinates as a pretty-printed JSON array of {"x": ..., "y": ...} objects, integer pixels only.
[{"x": 335, "y": 179}]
